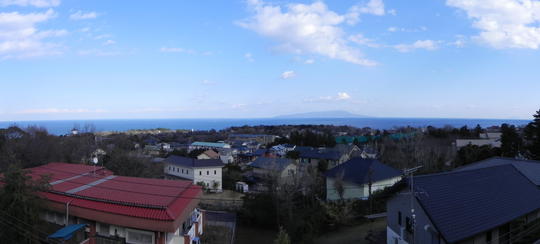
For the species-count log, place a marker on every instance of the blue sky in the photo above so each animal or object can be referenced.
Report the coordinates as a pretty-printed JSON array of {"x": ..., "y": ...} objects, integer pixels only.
[{"x": 239, "y": 59}]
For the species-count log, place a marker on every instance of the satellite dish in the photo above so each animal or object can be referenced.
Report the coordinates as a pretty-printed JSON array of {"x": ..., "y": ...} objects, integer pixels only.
[{"x": 95, "y": 160}]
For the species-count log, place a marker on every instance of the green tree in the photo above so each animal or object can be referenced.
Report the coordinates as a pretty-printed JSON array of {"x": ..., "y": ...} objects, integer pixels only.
[
  {"x": 20, "y": 205},
  {"x": 283, "y": 237},
  {"x": 510, "y": 141},
  {"x": 532, "y": 137}
]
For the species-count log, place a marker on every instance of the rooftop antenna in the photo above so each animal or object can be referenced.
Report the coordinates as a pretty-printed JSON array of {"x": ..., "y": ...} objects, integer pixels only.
[
  {"x": 95, "y": 160},
  {"x": 410, "y": 172}
]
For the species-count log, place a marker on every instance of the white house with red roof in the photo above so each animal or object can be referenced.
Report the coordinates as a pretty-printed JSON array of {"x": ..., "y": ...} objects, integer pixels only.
[{"x": 137, "y": 210}]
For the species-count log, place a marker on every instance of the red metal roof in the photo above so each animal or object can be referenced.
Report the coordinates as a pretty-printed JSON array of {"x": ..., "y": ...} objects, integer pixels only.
[{"x": 146, "y": 199}]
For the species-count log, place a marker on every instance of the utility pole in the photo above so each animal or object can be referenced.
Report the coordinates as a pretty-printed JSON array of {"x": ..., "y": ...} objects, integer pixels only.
[
  {"x": 370, "y": 183},
  {"x": 410, "y": 173}
]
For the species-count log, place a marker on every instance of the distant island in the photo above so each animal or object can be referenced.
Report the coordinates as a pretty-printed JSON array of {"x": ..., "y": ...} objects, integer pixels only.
[{"x": 323, "y": 114}]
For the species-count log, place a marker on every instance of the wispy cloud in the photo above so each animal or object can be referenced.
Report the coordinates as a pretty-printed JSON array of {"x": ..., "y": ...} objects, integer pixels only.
[
  {"x": 60, "y": 111},
  {"x": 208, "y": 82},
  {"x": 33, "y": 3},
  {"x": 109, "y": 42},
  {"x": 20, "y": 36},
  {"x": 249, "y": 57},
  {"x": 288, "y": 75},
  {"x": 420, "y": 44},
  {"x": 184, "y": 50},
  {"x": 79, "y": 15},
  {"x": 98, "y": 52},
  {"x": 341, "y": 96}
]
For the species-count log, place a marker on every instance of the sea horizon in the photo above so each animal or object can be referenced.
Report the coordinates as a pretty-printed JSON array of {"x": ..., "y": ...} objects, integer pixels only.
[{"x": 59, "y": 127}]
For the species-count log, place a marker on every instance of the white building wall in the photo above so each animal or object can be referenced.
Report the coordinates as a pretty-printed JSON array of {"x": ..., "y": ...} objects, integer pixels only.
[
  {"x": 355, "y": 191},
  {"x": 180, "y": 171},
  {"x": 209, "y": 175}
]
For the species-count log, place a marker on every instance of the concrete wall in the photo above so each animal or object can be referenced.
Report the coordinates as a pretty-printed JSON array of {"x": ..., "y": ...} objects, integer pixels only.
[
  {"x": 424, "y": 231},
  {"x": 208, "y": 175},
  {"x": 355, "y": 191}
]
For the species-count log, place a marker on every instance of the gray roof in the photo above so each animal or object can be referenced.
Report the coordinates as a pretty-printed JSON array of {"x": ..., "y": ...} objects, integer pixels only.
[
  {"x": 192, "y": 162},
  {"x": 271, "y": 163},
  {"x": 469, "y": 202},
  {"x": 356, "y": 170},
  {"x": 529, "y": 168}
]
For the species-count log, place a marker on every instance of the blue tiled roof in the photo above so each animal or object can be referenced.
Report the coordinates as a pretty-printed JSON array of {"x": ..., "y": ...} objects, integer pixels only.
[
  {"x": 529, "y": 168},
  {"x": 469, "y": 202},
  {"x": 271, "y": 163},
  {"x": 209, "y": 144},
  {"x": 356, "y": 170},
  {"x": 325, "y": 153},
  {"x": 192, "y": 162}
]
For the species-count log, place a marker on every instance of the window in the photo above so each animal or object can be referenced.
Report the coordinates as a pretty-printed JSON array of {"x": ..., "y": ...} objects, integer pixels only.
[
  {"x": 215, "y": 172},
  {"x": 207, "y": 172},
  {"x": 139, "y": 237},
  {"x": 103, "y": 229},
  {"x": 488, "y": 237},
  {"x": 200, "y": 172},
  {"x": 399, "y": 218},
  {"x": 187, "y": 171},
  {"x": 408, "y": 225},
  {"x": 182, "y": 171}
]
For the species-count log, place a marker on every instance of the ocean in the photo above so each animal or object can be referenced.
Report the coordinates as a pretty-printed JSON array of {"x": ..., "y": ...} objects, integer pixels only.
[{"x": 60, "y": 127}]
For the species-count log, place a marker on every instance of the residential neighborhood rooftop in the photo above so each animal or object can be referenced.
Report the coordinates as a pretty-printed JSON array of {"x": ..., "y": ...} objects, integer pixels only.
[
  {"x": 192, "y": 162},
  {"x": 97, "y": 194},
  {"x": 271, "y": 163},
  {"x": 465, "y": 203},
  {"x": 357, "y": 170},
  {"x": 529, "y": 168}
]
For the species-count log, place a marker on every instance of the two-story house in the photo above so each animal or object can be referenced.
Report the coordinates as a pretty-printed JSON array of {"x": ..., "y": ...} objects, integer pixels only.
[
  {"x": 206, "y": 172},
  {"x": 494, "y": 201}
]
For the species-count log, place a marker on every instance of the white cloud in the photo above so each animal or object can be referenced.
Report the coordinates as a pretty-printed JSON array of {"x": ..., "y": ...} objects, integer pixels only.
[
  {"x": 60, "y": 110},
  {"x": 396, "y": 29},
  {"x": 343, "y": 96},
  {"x": 249, "y": 57},
  {"x": 361, "y": 40},
  {"x": 20, "y": 37},
  {"x": 309, "y": 61},
  {"x": 33, "y": 3},
  {"x": 288, "y": 74},
  {"x": 79, "y": 15},
  {"x": 420, "y": 44},
  {"x": 375, "y": 7},
  {"x": 184, "y": 50},
  {"x": 98, "y": 52},
  {"x": 306, "y": 29},
  {"x": 109, "y": 42},
  {"x": 392, "y": 12},
  {"x": 208, "y": 82},
  {"x": 504, "y": 23}
]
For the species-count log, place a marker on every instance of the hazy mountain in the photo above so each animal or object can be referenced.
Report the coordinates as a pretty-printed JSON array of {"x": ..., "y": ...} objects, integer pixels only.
[{"x": 323, "y": 114}]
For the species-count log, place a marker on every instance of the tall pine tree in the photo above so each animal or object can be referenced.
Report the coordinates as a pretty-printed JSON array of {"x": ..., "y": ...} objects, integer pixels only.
[{"x": 532, "y": 137}]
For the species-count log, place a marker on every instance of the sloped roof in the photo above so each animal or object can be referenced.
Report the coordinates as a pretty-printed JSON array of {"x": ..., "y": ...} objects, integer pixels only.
[
  {"x": 192, "y": 162},
  {"x": 318, "y": 153},
  {"x": 211, "y": 153},
  {"x": 356, "y": 170},
  {"x": 465, "y": 203},
  {"x": 210, "y": 144},
  {"x": 153, "y": 204},
  {"x": 271, "y": 163},
  {"x": 529, "y": 168}
]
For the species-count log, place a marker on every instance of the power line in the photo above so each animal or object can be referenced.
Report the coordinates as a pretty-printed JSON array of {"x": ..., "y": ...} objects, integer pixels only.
[{"x": 4, "y": 213}]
